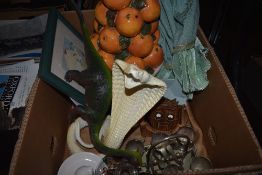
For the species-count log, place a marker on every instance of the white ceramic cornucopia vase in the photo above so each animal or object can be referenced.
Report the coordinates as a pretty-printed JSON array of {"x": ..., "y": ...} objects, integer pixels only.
[{"x": 134, "y": 93}]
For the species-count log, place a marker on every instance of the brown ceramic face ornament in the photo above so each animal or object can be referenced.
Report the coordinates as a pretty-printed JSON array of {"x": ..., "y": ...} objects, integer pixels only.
[{"x": 165, "y": 116}]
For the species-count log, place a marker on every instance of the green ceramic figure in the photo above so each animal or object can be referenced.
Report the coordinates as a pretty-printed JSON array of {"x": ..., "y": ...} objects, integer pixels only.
[{"x": 97, "y": 81}]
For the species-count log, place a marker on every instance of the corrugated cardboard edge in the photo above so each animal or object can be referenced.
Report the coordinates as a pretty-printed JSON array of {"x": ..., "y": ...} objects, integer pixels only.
[
  {"x": 231, "y": 90},
  {"x": 253, "y": 169},
  {"x": 23, "y": 126},
  {"x": 229, "y": 170}
]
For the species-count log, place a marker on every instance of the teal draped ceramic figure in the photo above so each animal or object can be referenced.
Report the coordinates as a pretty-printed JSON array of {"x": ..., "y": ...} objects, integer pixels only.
[{"x": 185, "y": 61}]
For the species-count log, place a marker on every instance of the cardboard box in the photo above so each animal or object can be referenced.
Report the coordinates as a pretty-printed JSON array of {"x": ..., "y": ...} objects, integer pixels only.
[{"x": 227, "y": 135}]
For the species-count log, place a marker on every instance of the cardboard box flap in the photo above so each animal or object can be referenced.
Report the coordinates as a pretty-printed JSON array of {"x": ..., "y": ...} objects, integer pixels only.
[
  {"x": 42, "y": 137},
  {"x": 228, "y": 136}
]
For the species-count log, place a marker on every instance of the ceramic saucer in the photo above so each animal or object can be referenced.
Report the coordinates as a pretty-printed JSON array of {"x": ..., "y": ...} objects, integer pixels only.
[{"x": 83, "y": 163}]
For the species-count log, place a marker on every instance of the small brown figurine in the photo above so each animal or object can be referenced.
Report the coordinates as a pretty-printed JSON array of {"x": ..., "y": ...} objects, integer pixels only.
[{"x": 165, "y": 117}]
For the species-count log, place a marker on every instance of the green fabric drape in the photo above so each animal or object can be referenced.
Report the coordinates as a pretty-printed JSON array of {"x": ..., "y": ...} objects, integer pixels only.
[{"x": 185, "y": 59}]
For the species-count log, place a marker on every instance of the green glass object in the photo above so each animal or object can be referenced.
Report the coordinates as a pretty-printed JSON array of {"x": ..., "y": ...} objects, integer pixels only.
[{"x": 97, "y": 81}]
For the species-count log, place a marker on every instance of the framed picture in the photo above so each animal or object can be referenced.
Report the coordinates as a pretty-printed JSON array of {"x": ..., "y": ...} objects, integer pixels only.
[{"x": 63, "y": 50}]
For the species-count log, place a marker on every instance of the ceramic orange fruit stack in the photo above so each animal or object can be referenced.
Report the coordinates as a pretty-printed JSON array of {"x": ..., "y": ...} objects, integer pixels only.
[{"x": 128, "y": 30}]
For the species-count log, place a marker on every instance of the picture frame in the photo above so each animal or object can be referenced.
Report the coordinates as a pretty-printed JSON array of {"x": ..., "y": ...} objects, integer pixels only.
[{"x": 63, "y": 50}]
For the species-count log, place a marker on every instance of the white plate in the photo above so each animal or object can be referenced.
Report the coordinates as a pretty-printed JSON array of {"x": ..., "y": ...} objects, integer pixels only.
[{"x": 82, "y": 163}]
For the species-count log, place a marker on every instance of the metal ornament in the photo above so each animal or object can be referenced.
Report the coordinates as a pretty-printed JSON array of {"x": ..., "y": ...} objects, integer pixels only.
[
  {"x": 169, "y": 154},
  {"x": 200, "y": 163},
  {"x": 135, "y": 145}
]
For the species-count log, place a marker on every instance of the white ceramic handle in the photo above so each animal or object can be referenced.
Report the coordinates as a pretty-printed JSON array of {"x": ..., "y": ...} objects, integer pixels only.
[
  {"x": 80, "y": 124},
  {"x": 73, "y": 136}
]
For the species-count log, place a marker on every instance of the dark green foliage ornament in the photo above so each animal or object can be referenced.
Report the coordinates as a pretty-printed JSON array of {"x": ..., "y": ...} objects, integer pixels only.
[{"x": 97, "y": 81}]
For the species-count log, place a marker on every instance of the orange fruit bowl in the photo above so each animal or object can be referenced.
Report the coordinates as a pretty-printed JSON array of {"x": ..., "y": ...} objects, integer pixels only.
[
  {"x": 116, "y": 4},
  {"x": 129, "y": 22}
]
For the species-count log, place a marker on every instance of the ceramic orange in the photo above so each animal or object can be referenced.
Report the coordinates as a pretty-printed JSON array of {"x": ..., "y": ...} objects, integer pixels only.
[
  {"x": 107, "y": 57},
  {"x": 109, "y": 40},
  {"x": 156, "y": 36},
  {"x": 155, "y": 58},
  {"x": 97, "y": 26},
  {"x": 151, "y": 10},
  {"x": 154, "y": 26},
  {"x": 136, "y": 61},
  {"x": 116, "y": 4},
  {"x": 141, "y": 45},
  {"x": 100, "y": 13},
  {"x": 129, "y": 22},
  {"x": 94, "y": 39}
]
